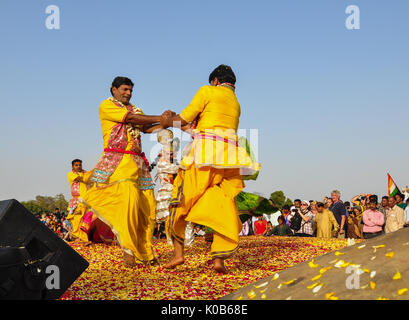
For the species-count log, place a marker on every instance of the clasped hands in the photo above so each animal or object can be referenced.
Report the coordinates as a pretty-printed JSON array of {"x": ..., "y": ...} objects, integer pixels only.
[{"x": 165, "y": 119}]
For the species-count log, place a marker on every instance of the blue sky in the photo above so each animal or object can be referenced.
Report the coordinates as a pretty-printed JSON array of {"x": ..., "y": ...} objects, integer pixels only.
[{"x": 330, "y": 104}]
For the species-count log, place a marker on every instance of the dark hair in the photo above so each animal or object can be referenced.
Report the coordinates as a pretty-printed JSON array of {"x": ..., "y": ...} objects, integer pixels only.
[
  {"x": 285, "y": 207},
  {"x": 297, "y": 200},
  {"x": 281, "y": 218},
  {"x": 75, "y": 160},
  {"x": 119, "y": 81},
  {"x": 373, "y": 198},
  {"x": 385, "y": 197},
  {"x": 224, "y": 74},
  {"x": 347, "y": 204},
  {"x": 320, "y": 204},
  {"x": 400, "y": 195}
]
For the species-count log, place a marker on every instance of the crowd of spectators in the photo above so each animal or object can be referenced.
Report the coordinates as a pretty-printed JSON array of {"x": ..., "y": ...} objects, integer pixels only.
[
  {"x": 57, "y": 222},
  {"x": 363, "y": 217}
]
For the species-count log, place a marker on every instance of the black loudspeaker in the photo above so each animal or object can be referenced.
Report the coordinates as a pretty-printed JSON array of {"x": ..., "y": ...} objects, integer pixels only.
[{"x": 34, "y": 262}]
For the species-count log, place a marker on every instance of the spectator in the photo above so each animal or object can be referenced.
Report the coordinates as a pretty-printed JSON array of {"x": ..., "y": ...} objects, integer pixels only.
[
  {"x": 407, "y": 214},
  {"x": 360, "y": 201},
  {"x": 325, "y": 223},
  {"x": 260, "y": 225},
  {"x": 395, "y": 217},
  {"x": 297, "y": 205},
  {"x": 313, "y": 207},
  {"x": 57, "y": 214},
  {"x": 348, "y": 208},
  {"x": 328, "y": 202},
  {"x": 383, "y": 206},
  {"x": 67, "y": 230},
  {"x": 354, "y": 224},
  {"x": 373, "y": 219},
  {"x": 245, "y": 229},
  {"x": 399, "y": 201},
  {"x": 339, "y": 211},
  {"x": 307, "y": 220},
  {"x": 282, "y": 229},
  {"x": 286, "y": 213},
  {"x": 269, "y": 230}
]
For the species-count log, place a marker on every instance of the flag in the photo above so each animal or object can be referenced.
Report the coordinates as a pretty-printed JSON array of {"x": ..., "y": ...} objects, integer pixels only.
[{"x": 392, "y": 187}]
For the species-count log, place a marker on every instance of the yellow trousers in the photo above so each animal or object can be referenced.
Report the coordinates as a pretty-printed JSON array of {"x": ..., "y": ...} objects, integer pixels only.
[
  {"x": 206, "y": 196},
  {"x": 76, "y": 221}
]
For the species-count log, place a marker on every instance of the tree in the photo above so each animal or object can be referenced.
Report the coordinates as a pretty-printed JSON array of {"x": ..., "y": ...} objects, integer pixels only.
[
  {"x": 279, "y": 199},
  {"x": 46, "y": 204},
  {"x": 33, "y": 207}
]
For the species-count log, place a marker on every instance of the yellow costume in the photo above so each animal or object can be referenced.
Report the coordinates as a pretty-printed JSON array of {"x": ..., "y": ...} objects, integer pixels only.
[
  {"x": 123, "y": 196},
  {"x": 75, "y": 208},
  {"x": 324, "y": 224},
  {"x": 209, "y": 180}
]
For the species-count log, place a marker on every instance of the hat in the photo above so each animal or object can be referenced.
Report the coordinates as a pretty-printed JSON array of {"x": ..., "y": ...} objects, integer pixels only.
[{"x": 306, "y": 201}]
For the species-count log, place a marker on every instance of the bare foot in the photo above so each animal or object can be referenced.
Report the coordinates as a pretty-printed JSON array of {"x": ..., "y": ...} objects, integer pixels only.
[
  {"x": 174, "y": 261},
  {"x": 219, "y": 267},
  {"x": 129, "y": 260}
]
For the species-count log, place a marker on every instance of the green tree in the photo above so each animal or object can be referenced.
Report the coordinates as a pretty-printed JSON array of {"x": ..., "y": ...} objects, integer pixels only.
[
  {"x": 46, "y": 204},
  {"x": 280, "y": 200},
  {"x": 60, "y": 202},
  {"x": 32, "y": 206}
]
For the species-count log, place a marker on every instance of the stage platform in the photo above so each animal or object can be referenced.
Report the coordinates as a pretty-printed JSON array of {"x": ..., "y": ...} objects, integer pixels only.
[{"x": 258, "y": 257}]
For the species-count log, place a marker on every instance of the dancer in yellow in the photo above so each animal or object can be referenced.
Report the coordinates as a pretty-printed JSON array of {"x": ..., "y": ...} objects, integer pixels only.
[
  {"x": 211, "y": 171},
  {"x": 75, "y": 209},
  {"x": 122, "y": 195}
]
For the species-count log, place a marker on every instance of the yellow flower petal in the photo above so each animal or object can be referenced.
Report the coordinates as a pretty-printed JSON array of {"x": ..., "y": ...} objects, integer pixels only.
[
  {"x": 263, "y": 296},
  {"x": 328, "y": 295},
  {"x": 251, "y": 294},
  {"x": 289, "y": 282},
  {"x": 402, "y": 291},
  {"x": 382, "y": 298},
  {"x": 316, "y": 278},
  {"x": 339, "y": 253},
  {"x": 311, "y": 264},
  {"x": 397, "y": 276},
  {"x": 390, "y": 254},
  {"x": 373, "y": 285},
  {"x": 379, "y": 246},
  {"x": 325, "y": 269},
  {"x": 313, "y": 285}
]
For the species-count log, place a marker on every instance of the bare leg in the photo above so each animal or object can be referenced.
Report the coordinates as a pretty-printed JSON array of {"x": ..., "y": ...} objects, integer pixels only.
[
  {"x": 218, "y": 264},
  {"x": 178, "y": 257}
]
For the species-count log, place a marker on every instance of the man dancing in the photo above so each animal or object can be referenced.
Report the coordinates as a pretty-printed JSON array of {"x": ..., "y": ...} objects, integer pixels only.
[
  {"x": 122, "y": 195},
  {"x": 85, "y": 225},
  {"x": 209, "y": 178}
]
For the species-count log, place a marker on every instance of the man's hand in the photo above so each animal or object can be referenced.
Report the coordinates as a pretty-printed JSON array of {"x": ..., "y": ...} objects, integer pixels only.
[{"x": 164, "y": 119}]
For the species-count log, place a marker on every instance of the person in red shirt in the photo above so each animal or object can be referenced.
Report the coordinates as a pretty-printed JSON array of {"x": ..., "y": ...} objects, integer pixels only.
[{"x": 260, "y": 226}]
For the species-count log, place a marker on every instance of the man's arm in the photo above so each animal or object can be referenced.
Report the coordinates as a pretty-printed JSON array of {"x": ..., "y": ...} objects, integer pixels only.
[
  {"x": 175, "y": 121},
  {"x": 140, "y": 119},
  {"x": 151, "y": 128}
]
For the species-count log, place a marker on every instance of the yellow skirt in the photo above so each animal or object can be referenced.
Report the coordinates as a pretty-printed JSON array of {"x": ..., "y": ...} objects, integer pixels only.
[
  {"x": 129, "y": 212},
  {"x": 76, "y": 221},
  {"x": 206, "y": 196}
]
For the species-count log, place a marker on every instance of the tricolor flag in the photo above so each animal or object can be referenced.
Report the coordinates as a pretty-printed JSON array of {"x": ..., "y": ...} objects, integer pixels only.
[{"x": 392, "y": 187}]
